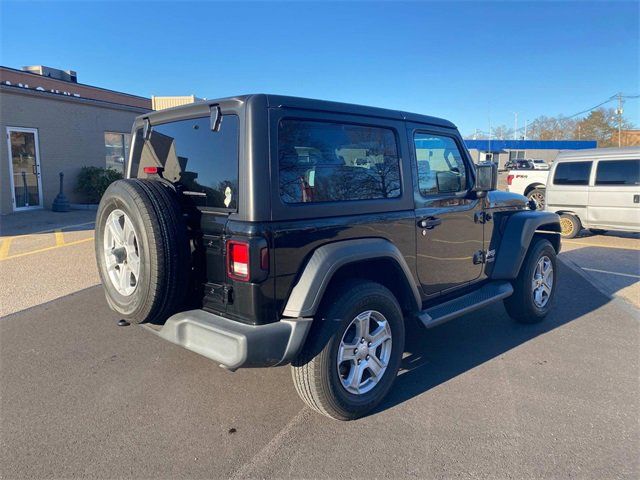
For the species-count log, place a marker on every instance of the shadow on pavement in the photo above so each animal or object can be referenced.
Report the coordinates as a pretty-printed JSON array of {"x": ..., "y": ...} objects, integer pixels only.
[
  {"x": 435, "y": 356},
  {"x": 45, "y": 221},
  {"x": 589, "y": 234}
]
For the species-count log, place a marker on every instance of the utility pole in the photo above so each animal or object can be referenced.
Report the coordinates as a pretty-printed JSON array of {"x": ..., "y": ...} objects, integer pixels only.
[
  {"x": 489, "y": 135},
  {"x": 619, "y": 112},
  {"x": 515, "y": 126}
]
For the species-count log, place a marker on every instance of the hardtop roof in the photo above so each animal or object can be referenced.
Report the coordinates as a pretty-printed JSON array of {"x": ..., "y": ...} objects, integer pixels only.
[
  {"x": 280, "y": 101},
  {"x": 597, "y": 153}
]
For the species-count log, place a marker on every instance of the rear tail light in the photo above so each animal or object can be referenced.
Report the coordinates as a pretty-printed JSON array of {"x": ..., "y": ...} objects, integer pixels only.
[
  {"x": 150, "y": 170},
  {"x": 238, "y": 260},
  {"x": 509, "y": 179}
]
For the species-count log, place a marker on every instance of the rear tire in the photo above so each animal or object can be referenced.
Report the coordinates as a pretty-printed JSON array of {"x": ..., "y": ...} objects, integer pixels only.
[
  {"x": 538, "y": 270},
  {"x": 149, "y": 212},
  {"x": 326, "y": 374},
  {"x": 570, "y": 225}
]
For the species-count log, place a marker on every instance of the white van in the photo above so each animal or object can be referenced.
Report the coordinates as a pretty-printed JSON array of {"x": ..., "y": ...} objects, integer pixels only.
[{"x": 598, "y": 189}]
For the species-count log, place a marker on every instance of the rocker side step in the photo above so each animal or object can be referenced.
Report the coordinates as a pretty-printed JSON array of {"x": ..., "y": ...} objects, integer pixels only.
[{"x": 489, "y": 293}]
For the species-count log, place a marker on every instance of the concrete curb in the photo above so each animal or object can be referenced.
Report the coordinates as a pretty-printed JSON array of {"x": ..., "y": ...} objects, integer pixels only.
[{"x": 83, "y": 206}]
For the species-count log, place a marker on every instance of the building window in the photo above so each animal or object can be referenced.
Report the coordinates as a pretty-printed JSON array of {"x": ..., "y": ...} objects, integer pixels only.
[
  {"x": 516, "y": 155},
  {"x": 116, "y": 149}
]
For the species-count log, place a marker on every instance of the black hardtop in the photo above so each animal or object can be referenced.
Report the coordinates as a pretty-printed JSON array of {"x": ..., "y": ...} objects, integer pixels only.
[{"x": 201, "y": 108}]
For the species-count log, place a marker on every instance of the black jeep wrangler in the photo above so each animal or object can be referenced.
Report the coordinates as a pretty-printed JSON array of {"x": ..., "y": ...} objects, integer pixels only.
[{"x": 263, "y": 230}]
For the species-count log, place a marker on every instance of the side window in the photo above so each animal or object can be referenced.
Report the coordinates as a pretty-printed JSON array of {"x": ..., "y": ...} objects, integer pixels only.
[
  {"x": 203, "y": 162},
  {"x": 326, "y": 162},
  {"x": 572, "y": 173},
  {"x": 618, "y": 172},
  {"x": 441, "y": 168}
]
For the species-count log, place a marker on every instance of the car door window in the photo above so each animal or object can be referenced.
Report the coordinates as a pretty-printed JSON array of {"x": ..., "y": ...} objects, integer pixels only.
[{"x": 441, "y": 169}]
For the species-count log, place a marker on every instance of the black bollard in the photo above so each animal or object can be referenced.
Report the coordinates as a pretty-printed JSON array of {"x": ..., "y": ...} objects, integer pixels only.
[{"x": 61, "y": 204}]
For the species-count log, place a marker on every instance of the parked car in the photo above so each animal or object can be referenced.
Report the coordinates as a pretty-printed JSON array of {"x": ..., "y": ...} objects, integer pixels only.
[
  {"x": 522, "y": 165},
  {"x": 539, "y": 164},
  {"x": 265, "y": 230},
  {"x": 530, "y": 183},
  {"x": 598, "y": 189}
]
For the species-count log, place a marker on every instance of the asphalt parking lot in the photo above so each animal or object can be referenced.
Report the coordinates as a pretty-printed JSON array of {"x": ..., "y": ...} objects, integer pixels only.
[
  {"x": 478, "y": 397},
  {"x": 45, "y": 255}
]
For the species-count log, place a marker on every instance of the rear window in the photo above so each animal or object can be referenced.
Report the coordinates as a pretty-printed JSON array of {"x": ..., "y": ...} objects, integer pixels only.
[
  {"x": 204, "y": 163},
  {"x": 572, "y": 173},
  {"x": 618, "y": 172},
  {"x": 326, "y": 162}
]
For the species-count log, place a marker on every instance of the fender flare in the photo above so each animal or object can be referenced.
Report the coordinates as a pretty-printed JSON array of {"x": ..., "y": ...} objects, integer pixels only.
[
  {"x": 519, "y": 231},
  {"x": 327, "y": 259}
]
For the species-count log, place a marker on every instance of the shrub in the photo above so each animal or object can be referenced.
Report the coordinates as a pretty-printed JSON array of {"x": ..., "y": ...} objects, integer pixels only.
[{"x": 93, "y": 181}]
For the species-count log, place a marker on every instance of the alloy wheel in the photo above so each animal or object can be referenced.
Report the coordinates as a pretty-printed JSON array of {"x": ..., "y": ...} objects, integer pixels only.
[
  {"x": 542, "y": 282},
  {"x": 121, "y": 253},
  {"x": 364, "y": 352},
  {"x": 538, "y": 198}
]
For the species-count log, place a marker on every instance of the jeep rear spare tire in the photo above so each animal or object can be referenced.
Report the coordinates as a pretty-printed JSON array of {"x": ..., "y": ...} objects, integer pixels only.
[{"x": 142, "y": 250}]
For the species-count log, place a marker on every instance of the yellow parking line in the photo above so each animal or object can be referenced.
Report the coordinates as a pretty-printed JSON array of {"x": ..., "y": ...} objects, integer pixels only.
[
  {"x": 59, "y": 237},
  {"x": 590, "y": 244},
  {"x": 84, "y": 240},
  {"x": 4, "y": 249},
  {"x": 49, "y": 230}
]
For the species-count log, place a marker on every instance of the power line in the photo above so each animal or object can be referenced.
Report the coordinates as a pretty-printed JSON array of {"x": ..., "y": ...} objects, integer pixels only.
[{"x": 608, "y": 100}]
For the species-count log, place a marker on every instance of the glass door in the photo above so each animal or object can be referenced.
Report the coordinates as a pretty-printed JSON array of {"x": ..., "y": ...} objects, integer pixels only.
[{"x": 26, "y": 185}]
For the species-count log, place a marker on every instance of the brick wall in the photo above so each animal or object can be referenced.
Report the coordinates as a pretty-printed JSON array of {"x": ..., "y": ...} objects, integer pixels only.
[{"x": 71, "y": 135}]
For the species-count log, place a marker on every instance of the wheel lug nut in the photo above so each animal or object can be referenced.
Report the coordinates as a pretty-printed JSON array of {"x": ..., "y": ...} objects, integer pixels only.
[
  {"x": 359, "y": 362},
  {"x": 369, "y": 344},
  {"x": 355, "y": 350},
  {"x": 362, "y": 340},
  {"x": 367, "y": 357}
]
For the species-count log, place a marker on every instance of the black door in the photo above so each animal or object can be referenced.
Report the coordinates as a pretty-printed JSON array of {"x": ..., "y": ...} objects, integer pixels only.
[{"x": 449, "y": 235}]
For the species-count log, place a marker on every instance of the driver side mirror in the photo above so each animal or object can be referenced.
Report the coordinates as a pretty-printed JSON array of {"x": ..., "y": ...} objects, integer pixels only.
[{"x": 486, "y": 177}]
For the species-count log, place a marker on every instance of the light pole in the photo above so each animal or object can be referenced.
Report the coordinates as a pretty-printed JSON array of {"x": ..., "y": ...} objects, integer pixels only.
[{"x": 619, "y": 113}]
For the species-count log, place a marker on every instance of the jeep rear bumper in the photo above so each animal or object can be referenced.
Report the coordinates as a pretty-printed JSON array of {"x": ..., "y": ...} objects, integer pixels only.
[{"x": 233, "y": 344}]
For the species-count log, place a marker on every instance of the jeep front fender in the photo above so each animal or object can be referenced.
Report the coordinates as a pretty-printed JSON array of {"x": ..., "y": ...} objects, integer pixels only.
[
  {"x": 327, "y": 259},
  {"x": 517, "y": 235}
]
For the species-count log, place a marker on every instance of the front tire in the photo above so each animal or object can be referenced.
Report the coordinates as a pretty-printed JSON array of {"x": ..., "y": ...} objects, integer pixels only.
[
  {"x": 353, "y": 353},
  {"x": 570, "y": 225},
  {"x": 535, "y": 287}
]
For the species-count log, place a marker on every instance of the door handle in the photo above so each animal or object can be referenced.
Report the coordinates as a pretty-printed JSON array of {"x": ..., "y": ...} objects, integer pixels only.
[
  {"x": 636, "y": 199},
  {"x": 429, "y": 223}
]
